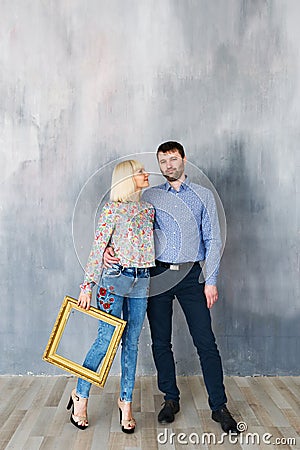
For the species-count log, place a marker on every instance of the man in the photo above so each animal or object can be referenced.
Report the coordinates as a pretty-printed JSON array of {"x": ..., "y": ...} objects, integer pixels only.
[{"x": 186, "y": 233}]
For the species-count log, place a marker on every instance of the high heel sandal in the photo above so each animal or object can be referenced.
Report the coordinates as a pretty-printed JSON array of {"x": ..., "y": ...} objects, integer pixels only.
[
  {"x": 74, "y": 397},
  {"x": 127, "y": 425}
]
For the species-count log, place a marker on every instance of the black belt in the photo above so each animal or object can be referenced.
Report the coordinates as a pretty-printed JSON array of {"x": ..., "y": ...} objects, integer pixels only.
[{"x": 172, "y": 266}]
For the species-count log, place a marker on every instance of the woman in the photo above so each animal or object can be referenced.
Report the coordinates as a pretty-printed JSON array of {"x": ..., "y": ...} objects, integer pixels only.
[{"x": 126, "y": 223}]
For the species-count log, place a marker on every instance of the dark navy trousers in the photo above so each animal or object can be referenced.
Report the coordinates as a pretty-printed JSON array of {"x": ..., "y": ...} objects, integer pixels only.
[{"x": 164, "y": 286}]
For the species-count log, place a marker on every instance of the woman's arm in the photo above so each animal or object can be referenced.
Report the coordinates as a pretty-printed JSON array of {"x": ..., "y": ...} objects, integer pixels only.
[{"x": 104, "y": 231}]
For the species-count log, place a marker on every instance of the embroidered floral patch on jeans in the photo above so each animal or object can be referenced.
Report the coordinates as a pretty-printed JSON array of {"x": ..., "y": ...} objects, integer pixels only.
[{"x": 105, "y": 298}]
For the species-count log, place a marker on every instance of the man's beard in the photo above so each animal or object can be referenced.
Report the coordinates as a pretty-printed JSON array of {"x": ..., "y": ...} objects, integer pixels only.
[
  {"x": 174, "y": 176},
  {"x": 171, "y": 178}
]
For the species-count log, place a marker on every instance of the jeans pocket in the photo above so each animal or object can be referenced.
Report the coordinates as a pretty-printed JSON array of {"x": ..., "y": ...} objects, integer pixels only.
[{"x": 112, "y": 272}]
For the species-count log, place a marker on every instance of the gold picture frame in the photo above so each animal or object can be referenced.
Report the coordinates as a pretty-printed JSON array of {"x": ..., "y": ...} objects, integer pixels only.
[{"x": 50, "y": 354}]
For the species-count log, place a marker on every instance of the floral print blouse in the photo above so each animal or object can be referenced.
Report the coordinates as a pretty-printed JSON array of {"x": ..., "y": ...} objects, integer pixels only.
[{"x": 128, "y": 228}]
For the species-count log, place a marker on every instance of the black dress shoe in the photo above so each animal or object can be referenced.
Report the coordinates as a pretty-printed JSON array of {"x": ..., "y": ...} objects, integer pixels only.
[
  {"x": 225, "y": 419},
  {"x": 167, "y": 414}
]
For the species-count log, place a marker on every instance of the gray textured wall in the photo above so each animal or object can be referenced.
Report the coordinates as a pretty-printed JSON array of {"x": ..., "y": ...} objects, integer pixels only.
[{"x": 82, "y": 83}]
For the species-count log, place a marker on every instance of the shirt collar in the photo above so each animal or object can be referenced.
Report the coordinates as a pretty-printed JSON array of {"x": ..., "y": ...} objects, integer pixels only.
[{"x": 183, "y": 186}]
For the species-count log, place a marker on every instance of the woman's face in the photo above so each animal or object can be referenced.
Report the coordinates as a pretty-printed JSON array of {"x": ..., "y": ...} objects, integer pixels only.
[{"x": 141, "y": 179}]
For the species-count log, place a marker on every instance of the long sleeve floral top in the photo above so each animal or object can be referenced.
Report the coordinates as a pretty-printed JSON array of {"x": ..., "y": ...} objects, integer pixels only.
[{"x": 128, "y": 228}]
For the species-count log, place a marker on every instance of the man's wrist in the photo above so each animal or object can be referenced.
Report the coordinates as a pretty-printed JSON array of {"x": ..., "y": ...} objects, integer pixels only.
[{"x": 211, "y": 281}]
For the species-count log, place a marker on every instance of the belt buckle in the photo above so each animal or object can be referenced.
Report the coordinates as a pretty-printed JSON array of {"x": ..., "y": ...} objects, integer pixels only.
[{"x": 174, "y": 266}]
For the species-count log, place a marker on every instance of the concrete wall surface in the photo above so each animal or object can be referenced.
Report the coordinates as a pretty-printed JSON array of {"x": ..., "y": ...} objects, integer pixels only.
[{"x": 83, "y": 83}]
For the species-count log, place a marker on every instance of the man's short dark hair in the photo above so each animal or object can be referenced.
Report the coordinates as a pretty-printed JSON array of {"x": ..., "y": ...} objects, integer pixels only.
[{"x": 170, "y": 146}]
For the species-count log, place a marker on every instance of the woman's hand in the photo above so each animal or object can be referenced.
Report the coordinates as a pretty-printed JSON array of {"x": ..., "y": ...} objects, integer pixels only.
[{"x": 84, "y": 300}]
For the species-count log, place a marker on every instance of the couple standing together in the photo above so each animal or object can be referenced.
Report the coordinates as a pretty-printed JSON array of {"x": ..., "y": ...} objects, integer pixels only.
[{"x": 127, "y": 259}]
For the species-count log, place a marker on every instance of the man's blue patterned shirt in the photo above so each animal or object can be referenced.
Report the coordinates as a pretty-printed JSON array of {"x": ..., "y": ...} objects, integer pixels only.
[{"x": 186, "y": 226}]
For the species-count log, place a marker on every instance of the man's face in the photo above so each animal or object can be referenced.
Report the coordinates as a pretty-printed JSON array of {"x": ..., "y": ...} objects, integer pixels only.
[{"x": 171, "y": 164}]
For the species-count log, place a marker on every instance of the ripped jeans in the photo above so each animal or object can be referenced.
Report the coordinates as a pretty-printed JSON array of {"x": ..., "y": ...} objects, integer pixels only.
[{"x": 121, "y": 290}]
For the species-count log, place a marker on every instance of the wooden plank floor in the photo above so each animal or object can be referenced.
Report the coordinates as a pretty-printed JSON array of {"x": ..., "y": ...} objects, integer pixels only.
[{"x": 33, "y": 415}]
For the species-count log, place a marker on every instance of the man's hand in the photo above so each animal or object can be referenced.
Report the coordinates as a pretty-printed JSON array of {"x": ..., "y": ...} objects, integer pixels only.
[
  {"x": 109, "y": 258},
  {"x": 84, "y": 300},
  {"x": 211, "y": 294}
]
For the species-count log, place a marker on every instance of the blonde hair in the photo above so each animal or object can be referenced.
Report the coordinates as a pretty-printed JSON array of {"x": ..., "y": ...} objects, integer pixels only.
[{"x": 123, "y": 187}]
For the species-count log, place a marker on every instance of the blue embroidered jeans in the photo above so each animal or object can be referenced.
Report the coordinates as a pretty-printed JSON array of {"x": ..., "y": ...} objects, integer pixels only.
[{"x": 121, "y": 292}]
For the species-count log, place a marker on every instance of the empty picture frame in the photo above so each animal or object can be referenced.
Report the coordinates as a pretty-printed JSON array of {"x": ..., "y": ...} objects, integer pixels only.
[{"x": 50, "y": 355}]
